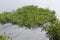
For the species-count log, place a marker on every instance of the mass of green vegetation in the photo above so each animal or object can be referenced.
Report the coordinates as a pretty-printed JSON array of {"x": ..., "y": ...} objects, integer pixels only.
[
  {"x": 3, "y": 37},
  {"x": 28, "y": 16},
  {"x": 32, "y": 16},
  {"x": 53, "y": 32}
]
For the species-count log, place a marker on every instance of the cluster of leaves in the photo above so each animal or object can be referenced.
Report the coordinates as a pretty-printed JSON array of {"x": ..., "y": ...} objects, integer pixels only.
[
  {"x": 3, "y": 37},
  {"x": 28, "y": 16},
  {"x": 54, "y": 31}
]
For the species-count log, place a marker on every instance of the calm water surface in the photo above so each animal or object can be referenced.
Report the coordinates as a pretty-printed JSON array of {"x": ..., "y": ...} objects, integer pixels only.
[{"x": 22, "y": 33}]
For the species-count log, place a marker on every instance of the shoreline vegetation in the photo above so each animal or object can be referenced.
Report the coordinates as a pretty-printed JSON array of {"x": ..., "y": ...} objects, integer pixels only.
[{"x": 31, "y": 16}]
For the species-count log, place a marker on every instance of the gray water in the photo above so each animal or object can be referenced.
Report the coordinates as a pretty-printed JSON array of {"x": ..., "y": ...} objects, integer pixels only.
[{"x": 22, "y": 33}]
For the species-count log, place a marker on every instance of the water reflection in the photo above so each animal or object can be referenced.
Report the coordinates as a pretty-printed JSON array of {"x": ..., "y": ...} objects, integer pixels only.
[{"x": 22, "y": 33}]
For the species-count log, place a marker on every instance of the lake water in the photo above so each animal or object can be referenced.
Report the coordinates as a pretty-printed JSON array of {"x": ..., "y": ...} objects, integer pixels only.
[{"x": 22, "y": 33}]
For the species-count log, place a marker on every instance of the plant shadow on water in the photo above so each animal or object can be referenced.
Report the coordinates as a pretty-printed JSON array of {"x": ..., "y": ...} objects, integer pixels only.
[{"x": 16, "y": 33}]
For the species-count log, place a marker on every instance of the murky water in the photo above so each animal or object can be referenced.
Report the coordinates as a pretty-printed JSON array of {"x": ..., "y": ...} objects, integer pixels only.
[{"x": 21, "y": 33}]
